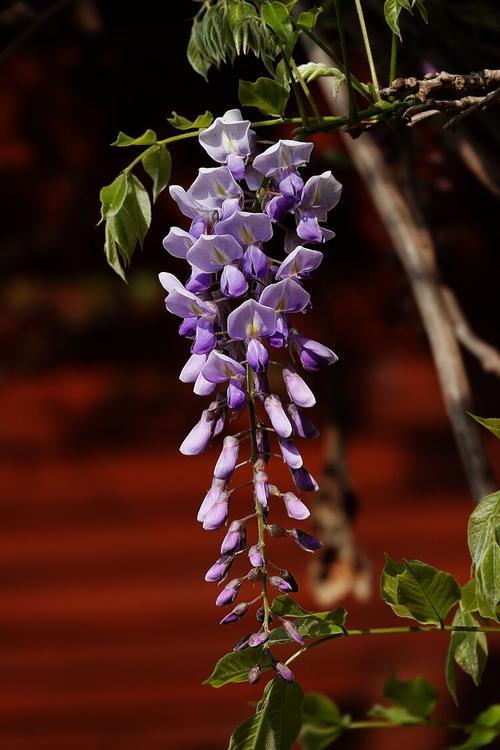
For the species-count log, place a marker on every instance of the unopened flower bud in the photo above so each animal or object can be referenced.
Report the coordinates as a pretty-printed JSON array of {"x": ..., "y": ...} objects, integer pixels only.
[
  {"x": 235, "y": 539},
  {"x": 297, "y": 388},
  {"x": 228, "y": 593},
  {"x": 283, "y": 671},
  {"x": 261, "y": 488},
  {"x": 257, "y": 639},
  {"x": 279, "y": 583},
  {"x": 242, "y": 643},
  {"x": 290, "y": 453},
  {"x": 254, "y": 675},
  {"x": 295, "y": 507},
  {"x": 290, "y": 579},
  {"x": 228, "y": 458},
  {"x": 219, "y": 569},
  {"x": 255, "y": 556},
  {"x": 302, "y": 425},
  {"x": 277, "y": 415},
  {"x": 306, "y": 541},
  {"x": 217, "y": 515},
  {"x": 293, "y": 632},
  {"x": 257, "y": 355},
  {"x": 235, "y": 614},
  {"x": 275, "y": 530},
  {"x": 303, "y": 480}
]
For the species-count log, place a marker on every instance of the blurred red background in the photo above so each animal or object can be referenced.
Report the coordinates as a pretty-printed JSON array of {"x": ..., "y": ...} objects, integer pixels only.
[{"x": 107, "y": 628}]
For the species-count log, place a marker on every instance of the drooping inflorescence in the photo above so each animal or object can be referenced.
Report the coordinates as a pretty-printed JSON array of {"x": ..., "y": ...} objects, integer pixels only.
[{"x": 235, "y": 306}]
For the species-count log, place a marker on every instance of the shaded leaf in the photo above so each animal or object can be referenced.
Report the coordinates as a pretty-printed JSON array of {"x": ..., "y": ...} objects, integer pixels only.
[
  {"x": 158, "y": 164},
  {"x": 482, "y": 524},
  {"x": 319, "y": 709},
  {"x": 112, "y": 196},
  {"x": 485, "y": 730},
  {"x": 276, "y": 15},
  {"x": 417, "y": 696},
  {"x": 318, "y": 738},
  {"x": 195, "y": 54},
  {"x": 146, "y": 139},
  {"x": 308, "y": 18},
  {"x": 285, "y": 605},
  {"x": 467, "y": 649},
  {"x": 111, "y": 252},
  {"x": 468, "y": 599},
  {"x": 269, "y": 96},
  {"x": 488, "y": 582},
  {"x": 276, "y": 722},
  {"x": 234, "y": 667},
  {"x": 493, "y": 425},
  {"x": 182, "y": 123},
  {"x": 392, "y": 9}
]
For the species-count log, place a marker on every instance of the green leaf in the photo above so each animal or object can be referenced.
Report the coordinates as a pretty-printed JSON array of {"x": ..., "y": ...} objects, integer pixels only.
[
  {"x": 394, "y": 714},
  {"x": 283, "y": 606},
  {"x": 467, "y": 649},
  {"x": 269, "y": 96},
  {"x": 482, "y": 524},
  {"x": 488, "y": 582},
  {"x": 196, "y": 57},
  {"x": 182, "y": 123},
  {"x": 493, "y": 425},
  {"x": 425, "y": 593},
  {"x": 417, "y": 696},
  {"x": 388, "y": 586},
  {"x": 392, "y": 9},
  {"x": 485, "y": 730},
  {"x": 131, "y": 223},
  {"x": 319, "y": 709},
  {"x": 235, "y": 666},
  {"x": 308, "y": 18},
  {"x": 112, "y": 196},
  {"x": 276, "y": 16},
  {"x": 419, "y": 5},
  {"x": 146, "y": 139},
  {"x": 276, "y": 722},
  {"x": 468, "y": 599},
  {"x": 111, "y": 252},
  {"x": 158, "y": 164}
]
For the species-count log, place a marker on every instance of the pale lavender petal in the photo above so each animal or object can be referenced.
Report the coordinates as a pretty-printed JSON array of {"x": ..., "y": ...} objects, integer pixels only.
[
  {"x": 257, "y": 355},
  {"x": 279, "y": 583},
  {"x": 187, "y": 305},
  {"x": 202, "y": 387},
  {"x": 232, "y": 282},
  {"x": 262, "y": 488},
  {"x": 211, "y": 252},
  {"x": 278, "y": 207},
  {"x": 295, "y": 508},
  {"x": 297, "y": 388},
  {"x": 255, "y": 262},
  {"x": 226, "y": 136},
  {"x": 300, "y": 264},
  {"x": 192, "y": 368},
  {"x": 228, "y": 457},
  {"x": 213, "y": 186},
  {"x": 236, "y": 165},
  {"x": 228, "y": 593},
  {"x": 200, "y": 436},
  {"x": 303, "y": 480},
  {"x": 236, "y": 614},
  {"x": 285, "y": 296},
  {"x": 246, "y": 227},
  {"x": 235, "y": 539},
  {"x": 290, "y": 453},
  {"x": 251, "y": 320},
  {"x": 283, "y": 671},
  {"x": 169, "y": 281},
  {"x": 229, "y": 206},
  {"x": 217, "y": 515},
  {"x": 219, "y": 367},
  {"x": 293, "y": 632},
  {"x": 198, "y": 281},
  {"x": 211, "y": 497},
  {"x": 308, "y": 542},
  {"x": 278, "y": 418},
  {"x": 257, "y": 639},
  {"x": 236, "y": 396},
  {"x": 291, "y": 185},
  {"x": 309, "y": 229},
  {"x": 302, "y": 425},
  {"x": 219, "y": 570},
  {"x": 253, "y": 177},
  {"x": 282, "y": 155},
  {"x": 177, "y": 242},
  {"x": 321, "y": 193},
  {"x": 188, "y": 327},
  {"x": 279, "y": 338},
  {"x": 205, "y": 338},
  {"x": 188, "y": 205}
]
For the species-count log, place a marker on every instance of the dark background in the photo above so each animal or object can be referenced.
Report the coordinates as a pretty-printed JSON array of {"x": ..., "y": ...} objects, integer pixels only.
[{"x": 106, "y": 626}]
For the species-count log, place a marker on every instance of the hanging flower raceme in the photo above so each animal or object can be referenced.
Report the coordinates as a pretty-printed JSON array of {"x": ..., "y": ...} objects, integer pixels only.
[{"x": 237, "y": 302}]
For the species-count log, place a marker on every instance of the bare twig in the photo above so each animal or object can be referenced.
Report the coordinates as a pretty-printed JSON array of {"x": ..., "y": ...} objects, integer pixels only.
[{"x": 443, "y": 85}]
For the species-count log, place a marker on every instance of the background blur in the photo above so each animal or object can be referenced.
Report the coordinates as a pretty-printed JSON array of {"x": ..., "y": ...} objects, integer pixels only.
[{"x": 106, "y": 627}]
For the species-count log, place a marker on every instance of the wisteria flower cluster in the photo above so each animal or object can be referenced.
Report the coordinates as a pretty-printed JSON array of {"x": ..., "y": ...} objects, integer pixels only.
[{"x": 235, "y": 307}]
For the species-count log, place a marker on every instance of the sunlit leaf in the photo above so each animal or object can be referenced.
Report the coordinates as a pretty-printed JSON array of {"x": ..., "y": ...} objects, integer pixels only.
[
  {"x": 269, "y": 96},
  {"x": 308, "y": 18},
  {"x": 158, "y": 164},
  {"x": 492, "y": 424},
  {"x": 467, "y": 649},
  {"x": 276, "y": 15},
  {"x": 182, "y": 123},
  {"x": 482, "y": 525},
  {"x": 146, "y": 139},
  {"x": 112, "y": 196},
  {"x": 235, "y": 666}
]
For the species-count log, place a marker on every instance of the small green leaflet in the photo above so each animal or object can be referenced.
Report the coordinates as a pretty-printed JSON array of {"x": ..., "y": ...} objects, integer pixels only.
[
  {"x": 146, "y": 139},
  {"x": 414, "y": 701},
  {"x": 468, "y": 599},
  {"x": 158, "y": 164},
  {"x": 485, "y": 730},
  {"x": 419, "y": 591},
  {"x": 467, "y": 649},
  {"x": 322, "y": 722},
  {"x": 112, "y": 196},
  {"x": 276, "y": 16},
  {"x": 308, "y": 18},
  {"x": 235, "y": 666},
  {"x": 482, "y": 526},
  {"x": 182, "y": 123},
  {"x": 393, "y": 8},
  {"x": 276, "y": 722},
  {"x": 488, "y": 582},
  {"x": 269, "y": 96},
  {"x": 492, "y": 424}
]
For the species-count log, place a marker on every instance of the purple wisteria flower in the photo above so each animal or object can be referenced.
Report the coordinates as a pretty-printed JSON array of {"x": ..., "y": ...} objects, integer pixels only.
[{"x": 238, "y": 302}]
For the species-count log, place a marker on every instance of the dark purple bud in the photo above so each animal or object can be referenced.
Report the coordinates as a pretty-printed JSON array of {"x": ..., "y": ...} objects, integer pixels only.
[
  {"x": 313, "y": 355},
  {"x": 235, "y": 614},
  {"x": 295, "y": 507},
  {"x": 297, "y": 388},
  {"x": 284, "y": 672},
  {"x": 260, "y": 615},
  {"x": 257, "y": 355},
  {"x": 235, "y": 539},
  {"x": 279, "y": 583},
  {"x": 242, "y": 643},
  {"x": 293, "y": 632},
  {"x": 290, "y": 453},
  {"x": 290, "y": 579},
  {"x": 278, "y": 418},
  {"x": 228, "y": 593},
  {"x": 219, "y": 569},
  {"x": 217, "y": 515},
  {"x": 254, "y": 675},
  {"x": 228, "y": 458},
  {"x": 275, "y": 530},
  {"x": 257, "y": 639},
  {"x": 255, "y": 557},
  {"x": 302, "y": 425},
  {"x": 261, "y": 488},
  {"x": 306, "y": 541},
  {"x": 303, "y": 480}
]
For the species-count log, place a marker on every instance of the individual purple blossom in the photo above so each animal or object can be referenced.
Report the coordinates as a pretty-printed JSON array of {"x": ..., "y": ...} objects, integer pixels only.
[
  {"x": 283, "y": 671},
  {"x": 228, "y": 458},
  {"x": 192, "y": 368},
  {"x": 290, "y": 453},
  {"x": 302, "y": 425},
  {"x": 313, "y": 355},
  {"x": 219, "y": 570},
  {"x": 251, "y": 320},
  {"x": 282, "y": 155},
  {"x": 236, "y": 614},
  {"x": 303, "y": 480},
  {"x": 255, "y": 262},
  {"x": 246, "y": 227},
  {"x": 235, "y": 539},
  {"x": 293, "y": 632},
  {"x": 217, "y": 515},
  {"x": 279, "y": 583},
  {"x": 211, "y": 497},
  {"x": 219, "y": 368},
  {"x": 295, "y": 508},
  {"x": 306, "y": 541},
  {"x": 297, "y": 388},
  {"x": 203, "y": 387},
  {"x": 299, "y": 264},
  {"x": 257, "y": 355},
  {"x": 228, "y": 141},
  {"x": 276, "y": 413},
  {"x": 257, "y": 639},
  {"x": 233, "y": 282},
  {"x": 229, "y": 593},
  {"x": 286, "y": 296},
  {"x": 178, "y": 242},
  {"x": 211, "y": 252},
  {"x": 255, "y": 556},
  {"x": 254, "y": 675},
  {"x": 200, "y": 436},
  {"x": 207, "y": 194}
]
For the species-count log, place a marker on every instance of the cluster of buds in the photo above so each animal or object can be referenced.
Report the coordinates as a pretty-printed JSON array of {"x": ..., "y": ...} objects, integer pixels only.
[{"x": 235, "y": 307}]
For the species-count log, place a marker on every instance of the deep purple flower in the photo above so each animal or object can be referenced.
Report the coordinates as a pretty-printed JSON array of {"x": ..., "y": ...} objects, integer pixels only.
[
  {"x": 302, "y": 425},
  {"x": 303, "y": 480},
  {"x": 235, "y": 539},
  {"x": 313, "y": 355},
  {"x": 293, "y": 632},
  {"x": 295, "y": 508},
  {"x": 229, "y": 593},
  {"x": 219, "y": 570},
  {"x": 283, "y": 671},
  {"x": 235, "y": 614},
  {"x": 308, "y": 542}
]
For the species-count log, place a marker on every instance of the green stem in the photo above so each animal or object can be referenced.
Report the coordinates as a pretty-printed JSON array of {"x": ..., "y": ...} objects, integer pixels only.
[
  {"x": 296, "y": 91},
  {"x": 305, "y": 89},
  {"x": 356, "y": 83},
  {"x": 258, "y": 507},
  {"x": 353, "y": 107},
  {"x": 392, "y": 630},
  {"x": 368, "y": 48},
  {"x": 394, "y": 58},
  {"x": 394, "y": 725}
]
